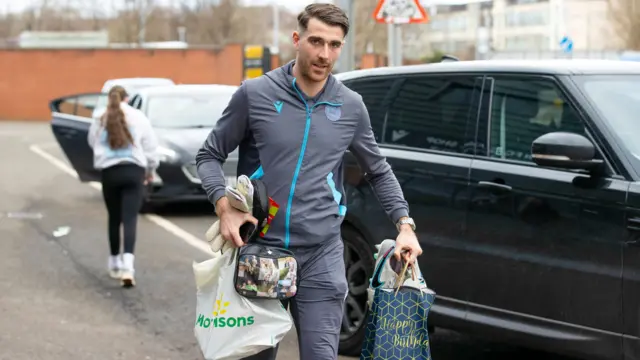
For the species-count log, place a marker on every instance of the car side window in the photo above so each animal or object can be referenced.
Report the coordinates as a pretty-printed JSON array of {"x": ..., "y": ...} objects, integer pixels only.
[
  {"x": 523, "y": 109},
  {"x": 78, "y": 105},
  {"x": 373, "y": 92},
  {"x": 135, "y": 102},
  {"x": 432, "y": 113}
]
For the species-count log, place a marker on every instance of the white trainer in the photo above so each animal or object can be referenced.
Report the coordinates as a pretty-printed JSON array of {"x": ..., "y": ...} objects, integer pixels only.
[
  {"x": 127, "y": 275},
  {"x": 115, "y": 266}
]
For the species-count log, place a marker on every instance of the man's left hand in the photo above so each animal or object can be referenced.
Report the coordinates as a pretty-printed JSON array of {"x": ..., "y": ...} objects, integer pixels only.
[{"x": 407, "y": 246}]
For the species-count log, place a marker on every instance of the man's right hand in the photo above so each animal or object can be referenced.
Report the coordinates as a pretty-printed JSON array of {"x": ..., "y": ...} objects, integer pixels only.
[{"x": 231, "y": 219}]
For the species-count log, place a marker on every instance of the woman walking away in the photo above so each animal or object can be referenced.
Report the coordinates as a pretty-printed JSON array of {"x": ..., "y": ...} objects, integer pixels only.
[{"x": 125, "y": 150}]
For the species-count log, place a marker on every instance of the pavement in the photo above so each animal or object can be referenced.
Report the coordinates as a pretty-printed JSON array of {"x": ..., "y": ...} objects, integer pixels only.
[{"x": 57, "y": 301}]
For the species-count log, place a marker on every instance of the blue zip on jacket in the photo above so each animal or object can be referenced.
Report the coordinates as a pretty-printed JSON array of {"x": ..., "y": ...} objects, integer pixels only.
[{"x": 300, "y": 143}]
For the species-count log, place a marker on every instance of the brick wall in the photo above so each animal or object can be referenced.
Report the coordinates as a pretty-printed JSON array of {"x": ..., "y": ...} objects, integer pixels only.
[{"x": 30, "y": 78}]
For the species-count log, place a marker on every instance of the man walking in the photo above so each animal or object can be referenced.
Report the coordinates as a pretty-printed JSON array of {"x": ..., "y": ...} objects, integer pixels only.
[{"x": 293, "y": 126}]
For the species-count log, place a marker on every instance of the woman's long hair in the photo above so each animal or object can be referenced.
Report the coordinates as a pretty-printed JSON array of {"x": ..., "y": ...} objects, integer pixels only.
[{"x": 114, "y": 122}]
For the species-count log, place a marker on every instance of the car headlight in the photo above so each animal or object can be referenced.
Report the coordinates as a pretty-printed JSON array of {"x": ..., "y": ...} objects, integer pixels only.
[{"x": 167, "y": 155}]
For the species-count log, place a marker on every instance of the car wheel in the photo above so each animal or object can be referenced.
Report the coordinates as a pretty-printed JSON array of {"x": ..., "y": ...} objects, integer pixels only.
[{"x": 359, "y": 263}]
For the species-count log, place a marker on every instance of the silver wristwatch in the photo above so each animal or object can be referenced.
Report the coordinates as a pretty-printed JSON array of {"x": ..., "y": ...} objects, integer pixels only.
[{"x": 407, "y": 220}]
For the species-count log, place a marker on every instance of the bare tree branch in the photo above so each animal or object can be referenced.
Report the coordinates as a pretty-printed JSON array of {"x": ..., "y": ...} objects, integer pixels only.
[
  {"x": 207, "y": 22},
  {"x": 625, "y": 15},
  {"x": 367, "y": 31}
]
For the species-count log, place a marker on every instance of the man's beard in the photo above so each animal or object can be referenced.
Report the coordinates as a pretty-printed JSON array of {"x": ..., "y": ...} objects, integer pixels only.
[{"x": 309, "y": 73}]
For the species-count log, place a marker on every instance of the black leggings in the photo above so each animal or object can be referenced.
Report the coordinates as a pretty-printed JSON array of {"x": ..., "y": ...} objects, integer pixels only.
[{"x": 122, "y": 189}]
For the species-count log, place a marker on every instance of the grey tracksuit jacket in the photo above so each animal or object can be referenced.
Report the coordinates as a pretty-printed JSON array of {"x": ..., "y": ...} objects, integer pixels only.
[{"x": 300, "y": 143}]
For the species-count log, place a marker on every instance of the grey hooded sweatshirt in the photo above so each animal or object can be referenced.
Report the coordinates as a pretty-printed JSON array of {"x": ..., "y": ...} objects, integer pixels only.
[{"x": 300, "y": 143}]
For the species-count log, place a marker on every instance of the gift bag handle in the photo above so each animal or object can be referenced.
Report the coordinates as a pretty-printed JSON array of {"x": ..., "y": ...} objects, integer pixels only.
[
  {"x": 400, "y": 277},
  {"x": 375, "y": 282}
]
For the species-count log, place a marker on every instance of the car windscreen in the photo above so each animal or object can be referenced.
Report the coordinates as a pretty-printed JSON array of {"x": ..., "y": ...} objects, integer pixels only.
[
  {"x": 131, "y": 89},
  {"x": 187, "y": 110},
  {"x": 617, "y": 99}
]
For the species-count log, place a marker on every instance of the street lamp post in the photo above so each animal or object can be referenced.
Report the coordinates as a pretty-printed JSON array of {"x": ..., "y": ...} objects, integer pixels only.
[
  {"x": 347, "y": 59},
  {"x": 276, "y": 27}
]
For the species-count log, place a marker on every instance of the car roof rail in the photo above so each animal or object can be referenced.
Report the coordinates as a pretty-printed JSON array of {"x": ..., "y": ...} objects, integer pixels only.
[{"x": 448, "y": 58}]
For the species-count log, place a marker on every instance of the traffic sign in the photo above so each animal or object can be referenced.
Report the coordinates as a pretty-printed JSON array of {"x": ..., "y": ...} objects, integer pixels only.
[
  {"x": 566, "y": 43},
  {"x": 400, "y": 12}
]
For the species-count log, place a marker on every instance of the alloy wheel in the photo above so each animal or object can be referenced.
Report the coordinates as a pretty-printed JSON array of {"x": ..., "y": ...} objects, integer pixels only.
[{"x": 355, "y": 310}]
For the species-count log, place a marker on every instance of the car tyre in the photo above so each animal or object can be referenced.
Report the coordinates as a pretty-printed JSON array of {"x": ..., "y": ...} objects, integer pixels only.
[{"x": 358, "y": 252}]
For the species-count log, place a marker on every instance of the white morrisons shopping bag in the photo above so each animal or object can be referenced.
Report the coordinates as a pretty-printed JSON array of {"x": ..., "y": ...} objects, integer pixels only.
[{"x": 229, "y": 326}]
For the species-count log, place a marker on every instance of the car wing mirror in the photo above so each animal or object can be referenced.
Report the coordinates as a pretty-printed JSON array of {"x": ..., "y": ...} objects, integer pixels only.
[{"x": 565, "y": 150}]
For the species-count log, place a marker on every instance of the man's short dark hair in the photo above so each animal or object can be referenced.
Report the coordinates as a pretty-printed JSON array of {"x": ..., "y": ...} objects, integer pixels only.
[{"x": 329, "y": 14}]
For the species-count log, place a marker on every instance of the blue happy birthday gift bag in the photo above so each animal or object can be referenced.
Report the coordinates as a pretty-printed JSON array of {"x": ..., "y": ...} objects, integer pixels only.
[{"x": 399, "y": 304}]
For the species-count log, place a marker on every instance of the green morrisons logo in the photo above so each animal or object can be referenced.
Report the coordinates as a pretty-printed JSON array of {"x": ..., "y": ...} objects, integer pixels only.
[{"x": 220, "y": 321}]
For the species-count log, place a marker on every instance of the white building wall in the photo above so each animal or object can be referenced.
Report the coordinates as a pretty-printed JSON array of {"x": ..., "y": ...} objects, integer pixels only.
[{"x": 530, "y": 26}]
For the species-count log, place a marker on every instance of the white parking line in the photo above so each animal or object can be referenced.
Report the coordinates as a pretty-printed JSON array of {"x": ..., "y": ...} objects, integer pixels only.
[
  {"x": 158, "y": 220},
  {"x": 48, "y": 145}
]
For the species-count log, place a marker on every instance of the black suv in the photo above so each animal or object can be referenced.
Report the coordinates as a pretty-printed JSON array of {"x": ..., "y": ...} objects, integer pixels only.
[{"x": 523, "y": 179}]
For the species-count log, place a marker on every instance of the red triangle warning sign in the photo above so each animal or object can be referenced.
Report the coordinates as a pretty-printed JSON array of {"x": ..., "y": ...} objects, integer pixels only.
[{"x": 400, "y": 12}]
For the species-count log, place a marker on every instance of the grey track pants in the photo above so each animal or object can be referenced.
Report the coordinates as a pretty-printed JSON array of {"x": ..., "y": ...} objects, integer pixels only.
[{"x": 318, "y": 305}]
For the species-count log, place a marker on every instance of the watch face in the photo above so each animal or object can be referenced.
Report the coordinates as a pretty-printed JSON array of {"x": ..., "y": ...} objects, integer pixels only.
[
  {"x": 405, "y": 221},
  {"x": 408, "y": 221}
]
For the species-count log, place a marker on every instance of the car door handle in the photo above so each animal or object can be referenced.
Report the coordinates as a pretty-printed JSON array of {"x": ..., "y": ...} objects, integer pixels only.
[
  {"x": 633, "y": 224},
  {"x": 68, "y": 133},
  {"x": 67, "y": 130},
  {"x": 495, "y": 185}
]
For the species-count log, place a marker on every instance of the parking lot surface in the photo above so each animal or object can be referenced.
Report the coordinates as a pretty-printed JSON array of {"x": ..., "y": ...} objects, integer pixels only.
[{"x": 57, "y": 301}]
